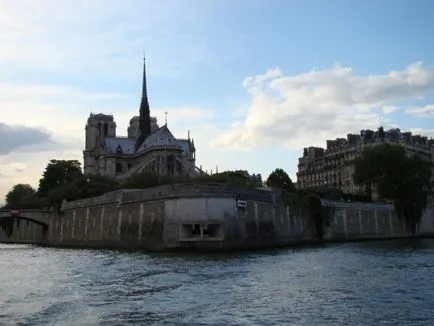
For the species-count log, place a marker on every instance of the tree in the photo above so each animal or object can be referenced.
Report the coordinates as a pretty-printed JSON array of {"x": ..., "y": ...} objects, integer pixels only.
[
  {"x": 20, "y": 195},
  {"x": 403, "y": 179},
  {"x": 141, "y": 180},
  {"x": 94, "y": 185},
  {"x": 279, "y": 178},
  {"x": 58, "y": 172}
]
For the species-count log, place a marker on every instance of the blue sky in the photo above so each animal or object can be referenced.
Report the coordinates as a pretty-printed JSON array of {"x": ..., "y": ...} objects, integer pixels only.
[{"x": 254, "y": 81}]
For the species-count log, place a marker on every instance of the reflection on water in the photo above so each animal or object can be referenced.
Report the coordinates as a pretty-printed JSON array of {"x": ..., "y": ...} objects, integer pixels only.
[{"x": 373, "y": 283}]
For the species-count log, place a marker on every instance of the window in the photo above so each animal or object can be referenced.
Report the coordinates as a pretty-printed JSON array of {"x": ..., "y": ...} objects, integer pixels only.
[
  {"x": 118, "y": 167},
  {"x": 195, "y": 230}
]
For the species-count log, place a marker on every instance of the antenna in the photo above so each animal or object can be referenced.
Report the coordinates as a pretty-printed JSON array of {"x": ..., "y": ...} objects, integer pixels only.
[{"x": 165, "y": 118}]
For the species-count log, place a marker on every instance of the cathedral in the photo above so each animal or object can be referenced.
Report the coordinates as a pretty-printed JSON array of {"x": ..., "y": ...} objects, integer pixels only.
[{"x": 147, "y": 148}]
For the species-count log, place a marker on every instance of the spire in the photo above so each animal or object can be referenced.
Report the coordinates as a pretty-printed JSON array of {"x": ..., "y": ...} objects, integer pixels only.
[
  {"x": 144, "y": 85},
  {"x": 145, "y": 115}
]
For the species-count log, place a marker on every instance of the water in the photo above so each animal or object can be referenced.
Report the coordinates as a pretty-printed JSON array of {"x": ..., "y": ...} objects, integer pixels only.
[{"x": 375, "y": 283}]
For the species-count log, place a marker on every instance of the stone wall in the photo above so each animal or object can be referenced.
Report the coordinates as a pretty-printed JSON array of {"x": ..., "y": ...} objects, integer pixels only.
[
  {"x": 24, "y": 232},
  {"x": 352, "y": 221},
  {"x": 205, "y": 216},
  {"x": 358, "y": 221},
  {"x": 165, "y": 218}
]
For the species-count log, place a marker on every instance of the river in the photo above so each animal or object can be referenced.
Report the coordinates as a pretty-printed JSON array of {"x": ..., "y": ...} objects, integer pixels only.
[{"x": 373, "y": 283}]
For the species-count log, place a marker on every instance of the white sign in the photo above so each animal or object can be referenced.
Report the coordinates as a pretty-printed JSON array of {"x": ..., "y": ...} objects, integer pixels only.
[{"x": 242, "y": 203}]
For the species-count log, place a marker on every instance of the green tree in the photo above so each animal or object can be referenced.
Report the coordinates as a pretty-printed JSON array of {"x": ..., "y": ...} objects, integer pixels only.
[
  {"x": 67, "y": 191},
  {"x": 83, "y": 186},
  {"x": 58, "y": 172},
  {"x": 279, "y": 178},
  {"x": 403, "y": 179},
  {"x": 94, "y": 185},
  {"x": 240, "y": 178},
  {"x": 313, "y": 210},
  {"x": 142, "y": 180},
  {"x": 20, "y": 195}
]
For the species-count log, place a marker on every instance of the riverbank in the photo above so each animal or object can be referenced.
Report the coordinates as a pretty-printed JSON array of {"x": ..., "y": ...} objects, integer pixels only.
[{"x": 204, "y": 217}]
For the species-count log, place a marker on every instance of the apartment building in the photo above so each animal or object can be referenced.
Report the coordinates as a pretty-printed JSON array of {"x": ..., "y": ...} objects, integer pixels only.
[{"x": 333, "y": 167}]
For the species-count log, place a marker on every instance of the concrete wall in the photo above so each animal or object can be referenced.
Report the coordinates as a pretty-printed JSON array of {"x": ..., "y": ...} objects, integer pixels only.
[
  {"x": 357, "y": 221},
  {"x": 206, "y": 216},
  {"x": 364, "y": 221}
]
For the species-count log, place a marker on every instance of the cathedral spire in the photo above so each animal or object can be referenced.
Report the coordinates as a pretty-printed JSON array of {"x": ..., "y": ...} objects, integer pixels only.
[
  {"x": 144, "y": 84},
  {"x": 145, "y": 115}
]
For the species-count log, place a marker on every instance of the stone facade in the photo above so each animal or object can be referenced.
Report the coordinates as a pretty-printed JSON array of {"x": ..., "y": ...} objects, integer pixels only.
[
  {"x": 147, "y": 147},
  {"x": 206, "y": 216},
  {"x": 333, "y": 167}
]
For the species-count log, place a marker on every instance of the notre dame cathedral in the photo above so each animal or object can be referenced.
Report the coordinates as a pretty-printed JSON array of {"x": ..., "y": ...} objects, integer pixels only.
[{"x": 147, "y": 147}]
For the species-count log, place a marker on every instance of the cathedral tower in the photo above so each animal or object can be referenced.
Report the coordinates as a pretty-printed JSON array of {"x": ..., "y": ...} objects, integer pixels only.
[
  {"x": 145, "y": 114},
  {"x": 98, "y": 127}
]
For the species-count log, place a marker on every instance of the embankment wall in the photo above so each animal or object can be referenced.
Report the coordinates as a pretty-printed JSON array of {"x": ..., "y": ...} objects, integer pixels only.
[{"x": 206, "y": 216}]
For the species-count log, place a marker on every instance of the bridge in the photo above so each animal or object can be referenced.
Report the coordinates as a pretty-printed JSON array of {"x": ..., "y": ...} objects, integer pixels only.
[
  {"x": 10, "y": 224},
  {"x": 37, "y": 216}
]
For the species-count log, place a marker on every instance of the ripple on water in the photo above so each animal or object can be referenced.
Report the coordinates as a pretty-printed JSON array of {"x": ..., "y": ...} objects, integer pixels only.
[{"x": 377, "y": 283}]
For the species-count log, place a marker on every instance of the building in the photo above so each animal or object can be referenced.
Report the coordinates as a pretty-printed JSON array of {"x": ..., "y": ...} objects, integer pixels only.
[
  {"x": 333, "y": 167},
  {"x": 147, "y": 147}
]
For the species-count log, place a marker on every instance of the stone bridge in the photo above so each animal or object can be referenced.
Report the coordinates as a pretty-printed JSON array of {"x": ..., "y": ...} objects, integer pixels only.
[
  {"x": 24, "y": 226},
  {"x": 37, "y": 216}
]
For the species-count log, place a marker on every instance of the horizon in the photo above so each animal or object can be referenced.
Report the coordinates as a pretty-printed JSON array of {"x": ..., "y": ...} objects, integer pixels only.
[{"x": 253, "y": 92}]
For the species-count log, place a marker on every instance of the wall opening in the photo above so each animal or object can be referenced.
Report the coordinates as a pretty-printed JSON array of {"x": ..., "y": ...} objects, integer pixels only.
[
  {"x": 201, "y": 230},
  {"x": 118, "y": 167}
]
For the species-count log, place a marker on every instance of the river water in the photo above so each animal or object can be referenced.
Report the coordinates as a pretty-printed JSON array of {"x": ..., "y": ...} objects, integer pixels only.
[{"x": 374, "y": 283}]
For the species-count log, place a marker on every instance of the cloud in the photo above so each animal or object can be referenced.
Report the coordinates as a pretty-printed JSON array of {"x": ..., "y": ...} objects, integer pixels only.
[
  {"x": 423, "y": 131},
  {"x": 389, "y": 109},
  {"x": 49, "y": 37},
  {"x": 306, "y": 109},
  {"x": 16, "y": 137},
  {"x": 64, "y": 60},
  {"x": 426, "y": 111}
]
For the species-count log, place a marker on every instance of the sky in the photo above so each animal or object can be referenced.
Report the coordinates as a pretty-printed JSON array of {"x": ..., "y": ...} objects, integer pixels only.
[{"x": 254, "y": 81}]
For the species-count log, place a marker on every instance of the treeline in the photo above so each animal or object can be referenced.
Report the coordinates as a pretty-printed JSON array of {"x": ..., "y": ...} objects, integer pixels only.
[{"x": 64, "y": 179}]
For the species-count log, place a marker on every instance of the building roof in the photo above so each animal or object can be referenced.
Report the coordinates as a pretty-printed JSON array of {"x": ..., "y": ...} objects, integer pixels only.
[
  {"x": 120, "y": 145},
  {"x": 160, "y": 137},
  {"x": 184, "y": 144},
  {"x": 164, "y": 137}
]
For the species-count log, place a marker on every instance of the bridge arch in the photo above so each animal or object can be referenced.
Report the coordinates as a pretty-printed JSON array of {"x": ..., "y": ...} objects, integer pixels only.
[{"x": 7, "y": 223}]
